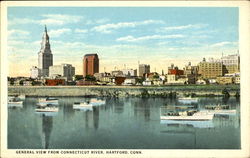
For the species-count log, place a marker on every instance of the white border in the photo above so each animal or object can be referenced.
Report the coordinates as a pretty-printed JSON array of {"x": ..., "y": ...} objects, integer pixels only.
[{"x": 244, "y": 44}]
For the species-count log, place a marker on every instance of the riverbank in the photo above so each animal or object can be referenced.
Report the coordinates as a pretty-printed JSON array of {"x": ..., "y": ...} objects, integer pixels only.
[{"x": 127, "y": 91}]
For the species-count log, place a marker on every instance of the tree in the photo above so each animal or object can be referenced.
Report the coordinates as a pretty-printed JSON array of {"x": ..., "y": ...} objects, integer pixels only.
[{"x": 90, "y": 78}]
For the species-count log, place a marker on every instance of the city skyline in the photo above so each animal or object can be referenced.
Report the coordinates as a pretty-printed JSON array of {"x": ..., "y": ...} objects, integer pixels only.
[{"x": 121, "y": 37}]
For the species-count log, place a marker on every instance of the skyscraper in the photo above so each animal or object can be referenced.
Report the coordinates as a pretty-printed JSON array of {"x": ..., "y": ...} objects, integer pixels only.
[
  {"x": 45, "y": 57},
  {"x": 90, "y": 64},
  {"x": 143, "y": 69}
]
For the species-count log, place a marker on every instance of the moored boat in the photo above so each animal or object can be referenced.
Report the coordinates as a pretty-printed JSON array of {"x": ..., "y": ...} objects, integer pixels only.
[
  {"x": 188, "y": 100},
  {"x": 82, "y": 106},
  {"x": 47, "y": 109},
  {"x": 14, "y": 102},
  {"x": 97, "y": 102},
  {"x": 47, "y": 100}
]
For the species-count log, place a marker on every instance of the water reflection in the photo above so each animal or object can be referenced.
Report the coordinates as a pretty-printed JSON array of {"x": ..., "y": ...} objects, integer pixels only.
[
  {"x": 120, "y": 123},
  {"x": 96, "y": 117},
  {"x": 47, "y": 125},
  {"x": 118, "y": 105},
  {"x": 142, "y": 109}
]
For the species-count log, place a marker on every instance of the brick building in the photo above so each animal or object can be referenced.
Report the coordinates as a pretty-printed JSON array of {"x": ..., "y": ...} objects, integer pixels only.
[{"x": 90, "y": 64}]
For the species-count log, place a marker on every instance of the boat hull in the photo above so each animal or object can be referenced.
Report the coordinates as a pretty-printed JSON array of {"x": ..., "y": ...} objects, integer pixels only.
[
  {"x": 47, "y": 110},
  {"x": 15, "y": 104}
]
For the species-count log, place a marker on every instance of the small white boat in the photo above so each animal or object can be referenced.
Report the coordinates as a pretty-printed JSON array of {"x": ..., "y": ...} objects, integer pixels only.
[
  {"x": 97, "y": 102},
  {"x": 48, "y": 100},
  {"x": 188, "y": 100},
  {"x": 82, "y": 106},
  {"x": 21, "y": 96},
  {"x": 15, "y": 102},
  {"x": 47, "y": 109},
  {"x": 183, "y": 116}
]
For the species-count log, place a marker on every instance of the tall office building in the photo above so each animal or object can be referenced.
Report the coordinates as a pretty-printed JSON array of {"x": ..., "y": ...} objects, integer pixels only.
[
  {"x": 90, "y": 64},
  {"x": 143, "y": 69},
  {"x": 45, "y": 57}
]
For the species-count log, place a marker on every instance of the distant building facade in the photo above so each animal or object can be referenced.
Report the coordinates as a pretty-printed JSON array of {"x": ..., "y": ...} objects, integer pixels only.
[
  {"x": 45, "y": 57},
  {"x": 117, "y": 73},
  {"x": 35, "y": 72},
  {"x": 231, "y": 63},
  {"x": 129, "y": 72},
  {"x": 90, "y": 64},
  {"x": 63, "y": 70},
  {"x": 190, "y": 70},
  {"x": 174, "y": 70},
  {"x": 210, "y": 69},
  {"x": 143, "y": 69}
]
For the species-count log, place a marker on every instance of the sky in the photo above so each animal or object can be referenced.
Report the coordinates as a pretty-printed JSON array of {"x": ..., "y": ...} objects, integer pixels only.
[{"x": 122, "y": 37}]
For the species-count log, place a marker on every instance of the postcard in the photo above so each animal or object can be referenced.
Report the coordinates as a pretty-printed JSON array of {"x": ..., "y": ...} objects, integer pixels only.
[{"x": 125, "y": 79}]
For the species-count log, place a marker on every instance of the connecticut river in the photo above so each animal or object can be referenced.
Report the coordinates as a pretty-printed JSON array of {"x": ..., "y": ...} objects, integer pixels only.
[{"x": 121, "y": 123}]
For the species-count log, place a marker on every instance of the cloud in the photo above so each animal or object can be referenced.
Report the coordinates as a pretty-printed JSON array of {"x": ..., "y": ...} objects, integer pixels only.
[
  {"x": 17, "y": 34},
  {"x": 221, "y": 44},
  {"x": 59, "y": 19},
  {"x": 21, "y": 21},
  {"x": 107, "y": 28},
  {"x": 183, "y": 27},
  {"x": 81, "y": 30},
  {"x": 48, "y": 19},
  {"x": 98, "y": 21},
  {"x": 58, "y": 32},
  {"x": 152, "y": 37}
]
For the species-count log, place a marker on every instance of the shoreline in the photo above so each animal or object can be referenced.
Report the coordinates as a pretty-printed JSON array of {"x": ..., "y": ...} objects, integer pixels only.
[{"x": 170, "y": 91}]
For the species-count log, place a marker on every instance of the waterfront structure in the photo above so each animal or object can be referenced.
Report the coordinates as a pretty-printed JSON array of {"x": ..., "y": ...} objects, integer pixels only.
[
  {"x": 84, "y": 83},
  {"x": 225, "y": 80},
  {"x": 174, "y": 70},
  {"x": 231, "y": 63},
  {"x": 200, "y": 81},
  {"x": 35, "y": 72},
  {"x": 158, "y": 82},
  {"x": 98, "y": 76},
  {"x": 45, "y": 56},
  {"x": 210, "y": 69},
  {"x": 147, "y": 82},
  {"x": 119, "y": 80},
  {"x": 27, "y": 83},
  {"x": 54, "y": 82},
  {"x": 90, "y": 64},
  {"x": 117, "y": 73},
  {"x": 129, "y": 72},
  {"x": 63, "y": 70},
  {"x": 129, "y": 81},
  {"x": 143, "y": 69},
  {"x": 175, "y": 79}
]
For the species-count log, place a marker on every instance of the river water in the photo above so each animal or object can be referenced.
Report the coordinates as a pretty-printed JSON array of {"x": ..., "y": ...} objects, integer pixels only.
[{"x": 122, "y": 123}]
